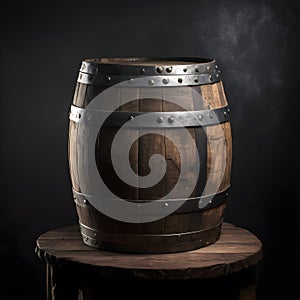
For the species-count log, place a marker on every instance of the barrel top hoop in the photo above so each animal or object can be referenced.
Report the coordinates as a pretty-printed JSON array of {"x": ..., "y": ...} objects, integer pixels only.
[
  {"x": 149, "y": 66},
  {"x": 148, "y": 81}
]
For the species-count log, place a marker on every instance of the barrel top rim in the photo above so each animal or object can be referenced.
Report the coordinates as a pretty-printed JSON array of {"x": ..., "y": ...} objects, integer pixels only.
[{"x": 150, "y": 61}]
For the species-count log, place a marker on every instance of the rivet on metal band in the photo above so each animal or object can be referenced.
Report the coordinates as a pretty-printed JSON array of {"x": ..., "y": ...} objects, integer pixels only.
[{"x": 174, "y": 119}]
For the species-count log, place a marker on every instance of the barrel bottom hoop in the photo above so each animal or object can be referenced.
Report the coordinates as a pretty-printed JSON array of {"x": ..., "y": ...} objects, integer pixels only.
[{"x": 150, "y": 243}]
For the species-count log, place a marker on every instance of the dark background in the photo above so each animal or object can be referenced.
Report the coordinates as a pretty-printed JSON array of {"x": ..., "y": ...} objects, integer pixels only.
[{"x": 254, "y": 43}]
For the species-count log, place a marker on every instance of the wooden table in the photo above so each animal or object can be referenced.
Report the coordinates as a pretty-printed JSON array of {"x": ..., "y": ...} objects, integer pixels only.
[{"x": 225, "y": 269}]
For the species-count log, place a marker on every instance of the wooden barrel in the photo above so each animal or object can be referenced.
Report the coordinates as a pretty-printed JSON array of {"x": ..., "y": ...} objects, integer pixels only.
[{"x": 176, "y": 96}]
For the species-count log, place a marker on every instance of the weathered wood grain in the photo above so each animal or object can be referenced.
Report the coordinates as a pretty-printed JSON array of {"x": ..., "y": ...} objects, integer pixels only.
[
  {"x": 215, "y": 173},
  {"x": 236, "y": 249},
  {"x": 223, "y": 270}
]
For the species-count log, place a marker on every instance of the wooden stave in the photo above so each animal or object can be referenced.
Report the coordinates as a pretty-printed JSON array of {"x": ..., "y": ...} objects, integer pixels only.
[{"x": 176, "y": 223}]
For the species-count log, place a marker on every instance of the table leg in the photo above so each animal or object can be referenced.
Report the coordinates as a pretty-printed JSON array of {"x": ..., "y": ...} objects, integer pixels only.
[
  {"x": 60, "y": 284},
  {"x": 247, "y": 289}
]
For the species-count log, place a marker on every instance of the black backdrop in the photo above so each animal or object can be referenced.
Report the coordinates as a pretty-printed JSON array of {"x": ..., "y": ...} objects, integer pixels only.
[{"x": 255, "y": 44}]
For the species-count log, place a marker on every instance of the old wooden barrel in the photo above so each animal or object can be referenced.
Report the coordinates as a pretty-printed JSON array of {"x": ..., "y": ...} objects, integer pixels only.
[{"x": 181, "y": 113}]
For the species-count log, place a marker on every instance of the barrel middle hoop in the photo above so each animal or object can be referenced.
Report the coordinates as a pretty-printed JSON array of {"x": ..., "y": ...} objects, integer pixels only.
[{"x": 174, "y": 119}]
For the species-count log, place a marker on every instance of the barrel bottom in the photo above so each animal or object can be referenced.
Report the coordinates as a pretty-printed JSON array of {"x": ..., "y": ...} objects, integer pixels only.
[
  {"x": 150, "y": 243},
  {"x": 174, "y": 233}
]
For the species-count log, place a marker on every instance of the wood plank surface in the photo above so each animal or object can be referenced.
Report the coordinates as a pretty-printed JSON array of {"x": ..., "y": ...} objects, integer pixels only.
[{"x": 236, "y": 250}]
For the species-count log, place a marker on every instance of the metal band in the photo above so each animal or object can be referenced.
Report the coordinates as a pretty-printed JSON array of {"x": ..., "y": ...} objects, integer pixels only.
[
  {"x": 149, "y": 81},
  {"x": 97, "y": 238},
  {"x": 201, "y": 143},
  {"x": 158, "y": 120},
  {"x": 113, "y": 66},
  {"x": 188, "y": 205}
]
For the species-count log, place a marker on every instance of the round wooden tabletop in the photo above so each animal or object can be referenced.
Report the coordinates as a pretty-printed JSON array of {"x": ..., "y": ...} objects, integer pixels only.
[{"x": 237, "y": 249}]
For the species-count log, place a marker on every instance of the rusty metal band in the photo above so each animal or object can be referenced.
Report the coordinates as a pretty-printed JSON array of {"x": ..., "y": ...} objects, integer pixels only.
[
  {"x": 148, "y": 81},
  {"x": 96, "y": 238},
  {"x": 118, "y": 66},
  {"x": 188, "y": 205},
  {"x": 158, "y": 120}
]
